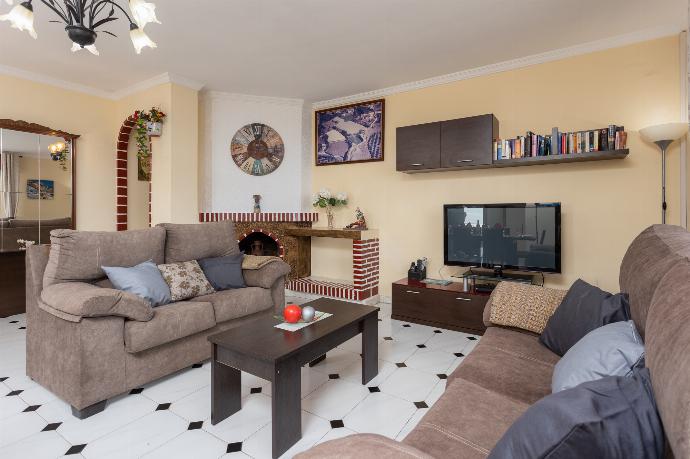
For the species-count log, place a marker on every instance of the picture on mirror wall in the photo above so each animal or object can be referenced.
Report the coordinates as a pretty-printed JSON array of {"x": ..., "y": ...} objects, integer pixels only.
[
  {"x": 40, "y": 189},
  {"x": 350, "y": 133}
]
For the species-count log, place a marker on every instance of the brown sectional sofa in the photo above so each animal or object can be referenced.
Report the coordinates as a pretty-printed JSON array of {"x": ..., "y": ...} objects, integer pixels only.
[
  {"x": 87, "y": 342},
  {"x": 30, "y": 230},
  {"x": 509, "y": 369}
]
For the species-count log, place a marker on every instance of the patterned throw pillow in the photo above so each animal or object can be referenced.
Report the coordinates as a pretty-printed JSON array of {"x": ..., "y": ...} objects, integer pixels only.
[
  {"x": 185, "y": 279},
  {"x": 523, "y": 306}
]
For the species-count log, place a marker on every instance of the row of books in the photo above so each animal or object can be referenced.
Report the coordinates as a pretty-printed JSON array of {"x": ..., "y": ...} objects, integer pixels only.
[{"x": 561, "y": 143}]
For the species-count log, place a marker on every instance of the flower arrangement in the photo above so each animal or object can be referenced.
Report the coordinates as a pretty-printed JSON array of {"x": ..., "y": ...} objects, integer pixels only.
[
  {"x": 325, "y": 199},
  {"x": 23, "y": 243},
  {"x": 142, "y": 118}
]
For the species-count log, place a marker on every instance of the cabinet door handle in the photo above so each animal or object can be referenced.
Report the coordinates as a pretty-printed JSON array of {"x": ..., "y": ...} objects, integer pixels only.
[
  {"x": 412, "y": 291},
  {"x": 463, "y": 299},
  {"x": 417, "y": 164},
  {"x": 465, "y": 160}
]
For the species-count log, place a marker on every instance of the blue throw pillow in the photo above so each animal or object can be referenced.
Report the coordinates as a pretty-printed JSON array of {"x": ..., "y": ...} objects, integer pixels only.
[
  {"x": 584, "y": 308},
  {"x": 224, "y": 272},
  {"x": 614, "y": 418},
  {"x": 144, "y": 280},
  {"x": 612, "y": 350}
]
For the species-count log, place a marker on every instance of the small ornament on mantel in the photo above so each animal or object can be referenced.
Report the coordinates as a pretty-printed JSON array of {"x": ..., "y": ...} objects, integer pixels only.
[
  {"x": 257, "y": 203},
  {"x": 360, "y": 223}
]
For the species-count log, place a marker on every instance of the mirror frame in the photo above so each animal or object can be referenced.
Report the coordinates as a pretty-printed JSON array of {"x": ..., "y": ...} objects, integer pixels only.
[{"x": 24, "y": 126}]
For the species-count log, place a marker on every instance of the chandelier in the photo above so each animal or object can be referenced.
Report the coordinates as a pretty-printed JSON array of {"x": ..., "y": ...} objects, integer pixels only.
[{"x": 82, "y": 18}]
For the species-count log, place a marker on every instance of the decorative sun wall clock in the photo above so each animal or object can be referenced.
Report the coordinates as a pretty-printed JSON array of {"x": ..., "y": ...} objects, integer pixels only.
[{"x": 257, "y": 149}]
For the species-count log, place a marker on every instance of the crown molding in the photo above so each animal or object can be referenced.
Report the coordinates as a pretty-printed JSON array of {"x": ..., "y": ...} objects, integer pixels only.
[
  {"x": 236, "y": 97},
  {"x": 163, "y": 78},
  {"x": 521, "y": 62},
  {"x": 58, "y": 83}
]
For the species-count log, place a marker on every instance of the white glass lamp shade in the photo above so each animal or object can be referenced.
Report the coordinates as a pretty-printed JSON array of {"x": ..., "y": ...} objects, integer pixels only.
[
  {"x": 90, "y": 48},
  {"x": 661, "y": 132},
  {"x": 21, "y": 17},
  {"x": 140, "y": 40},
  {"x": 143, "y": 12}
]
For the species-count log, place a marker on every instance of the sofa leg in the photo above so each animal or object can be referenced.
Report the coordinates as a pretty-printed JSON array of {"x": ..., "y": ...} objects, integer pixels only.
[
  {"x": 89, "y": 410},
  {"x": 317, "y": 360}
]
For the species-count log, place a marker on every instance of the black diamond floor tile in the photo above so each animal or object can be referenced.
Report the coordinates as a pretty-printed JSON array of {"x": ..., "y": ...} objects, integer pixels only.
[
  {"x": 373, "y": 389},
  {"x": 442, "y": 376},
  {"x": 438, "y": 331},
  {"x": 338, "y": 423},
  {"x": 388, "y": 338},
  {"x": 14, "y": 321},
  {"x": 334, "y": 376},
  {"x": 400, "y": 364},
  {"x": 21, "y": 328},
  {"x": 197, "y": 365},
  {"x": 234, "y": 447},
  {"x": 472, "y": 338},
  {"x": 421, "y": 346},
  {"x": 195, "y": 425},
  {"x": 75, "y": 449},
  {"x": 31, "y": 408},
  {"x": 4, "y": 378},
  {"x": 14, "y": 392},
  {"x": 421, "y": 405},
  {"x": 138, "y": 390},
  {"x": 380, "y": 320},
  {"x": 255, "y": 390},
  {"x": 459, "y": 354},
  {"x": 163, "y": 406},
  {"x": 51, "y": 426},
  {"x": 407, "y": 325}
]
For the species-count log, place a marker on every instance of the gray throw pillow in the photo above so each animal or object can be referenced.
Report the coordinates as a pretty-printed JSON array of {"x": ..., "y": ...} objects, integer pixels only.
[
  {"x": 143, "y": 280},
  {"x": 584, "y": 308},
  {"x": 612, "y": 350},
  {"x": 614, "y": 418},
  {"x": 224, "y": 272}
]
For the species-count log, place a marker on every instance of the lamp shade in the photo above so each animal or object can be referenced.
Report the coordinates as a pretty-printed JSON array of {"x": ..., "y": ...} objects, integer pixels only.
[{"x": 668, "y": 131}]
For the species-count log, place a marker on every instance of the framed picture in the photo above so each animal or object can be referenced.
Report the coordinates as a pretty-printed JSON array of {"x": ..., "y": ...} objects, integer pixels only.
[
  {"x": 40, "y": 189},
  {"x": 350, "y": 134}
]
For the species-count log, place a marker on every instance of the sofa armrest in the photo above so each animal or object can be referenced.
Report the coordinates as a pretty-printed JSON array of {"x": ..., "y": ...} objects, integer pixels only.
[
  {"x": 70, "y": 300},
  {"x": 267, "y": 275},
  {"x": 363, "y": 446},
  {"x": 523, "y": 306}
]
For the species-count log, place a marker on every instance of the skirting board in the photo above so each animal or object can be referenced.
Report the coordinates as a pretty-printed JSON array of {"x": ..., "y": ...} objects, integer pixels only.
[{"x": 373, "y": 300}]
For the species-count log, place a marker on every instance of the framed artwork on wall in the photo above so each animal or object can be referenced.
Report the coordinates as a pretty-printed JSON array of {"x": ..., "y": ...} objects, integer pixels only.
[
  {"x": 40, "y": 189},
  {"x": 350, "y": 133}
]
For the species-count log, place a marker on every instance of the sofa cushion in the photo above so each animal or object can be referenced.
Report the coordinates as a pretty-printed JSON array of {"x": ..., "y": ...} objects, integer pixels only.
[
  {"x": 231, "y": 304},
  {"x": 613, "y": 417},
  {"x": 85, "y": 300},
  {"x": 523, "y": 306},
  {"x": 612, "y": 350},
  {"x": 143, "y": 280},
  {"x": 170, "y": 322},
  {"x": 466, "y": 422},
  {"x": 79, "y": 255},
  {"x": 363, "y": 446},
  {"x": 584, "y": 308},
  {"x": 224, "y": 272},
  {"x": 525, "y": 344},
  {"x": 509, "y": 372},
  {"x": 266, "y": 275},
  {"x": 185, "y": 279},
  {"x": 649, "y": 257},
  {"x": 186, "y": 242}
]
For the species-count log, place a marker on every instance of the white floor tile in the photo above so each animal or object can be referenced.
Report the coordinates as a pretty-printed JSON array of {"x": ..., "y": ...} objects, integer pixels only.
[
  {"x": 449, "y": 341},
  {"x": 37, "y": 395},
  {"x": 396, "y": 351},
  {"x": 194, "y": 407},
  {"x": 10, "y": 406},
  {"x": 380, "y": 413},
  {"x": 411, "y": 424},
  {"x": 38, "y": 446},
  {"x": 138, "y": 438},
  {"x": 19, "y": 426},
  {"x": 354, "y": 373},
  {"x": 336, "y": 360},
  {"x": 431, "y": 361},
  {"x": 416, "y": 334},
  {"x": 192, "y": 443},
  {"x": 314, "y": 428},
  {"x": 255, "y": 413},
  {"x": 456, "y": 363},
  {"x": 178, "y": 385},
  {"x": 334, "y": 434},
  {"x": 409, "y": 384},
  {"x": 22, "y": 382},
  {"x": 436, "y": 393},
  {"x": 334, "y": 399},
  {"x": 353, "y": 345}
]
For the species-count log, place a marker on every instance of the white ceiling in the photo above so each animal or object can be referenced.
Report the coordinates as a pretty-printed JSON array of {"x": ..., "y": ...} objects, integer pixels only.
[{"x": 323, "y": 49}]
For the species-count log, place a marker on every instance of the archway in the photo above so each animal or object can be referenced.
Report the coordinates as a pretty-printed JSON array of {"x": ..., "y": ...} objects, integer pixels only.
[{"x": 121, "y": 167}]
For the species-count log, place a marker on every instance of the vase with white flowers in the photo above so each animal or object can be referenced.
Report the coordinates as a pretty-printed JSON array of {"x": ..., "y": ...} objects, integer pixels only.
[{"x": 325, "y": 200}]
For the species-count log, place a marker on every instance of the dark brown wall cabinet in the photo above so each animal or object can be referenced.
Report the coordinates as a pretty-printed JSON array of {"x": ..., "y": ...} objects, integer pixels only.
[{"x": 452, "y": 144}]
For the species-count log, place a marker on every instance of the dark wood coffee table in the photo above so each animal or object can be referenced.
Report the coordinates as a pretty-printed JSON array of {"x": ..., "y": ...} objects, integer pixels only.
[{"x": 278, "y": 355}]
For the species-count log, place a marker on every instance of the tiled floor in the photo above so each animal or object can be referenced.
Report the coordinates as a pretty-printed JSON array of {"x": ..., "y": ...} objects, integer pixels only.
[{"x": 170, "y": 418}]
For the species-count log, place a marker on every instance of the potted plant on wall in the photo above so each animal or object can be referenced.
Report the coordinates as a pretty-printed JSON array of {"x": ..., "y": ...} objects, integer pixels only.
[
  {"x": 326, "y": 200},
  {"x": 148, "y": 124}
]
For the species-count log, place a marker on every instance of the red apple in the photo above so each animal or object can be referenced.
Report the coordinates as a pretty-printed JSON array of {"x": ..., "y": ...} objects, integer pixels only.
[{"x": 292, "y": 313}]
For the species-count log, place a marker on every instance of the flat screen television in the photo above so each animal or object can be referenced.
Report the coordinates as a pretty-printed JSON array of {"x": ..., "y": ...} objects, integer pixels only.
[{"x": 518, "y": 236}]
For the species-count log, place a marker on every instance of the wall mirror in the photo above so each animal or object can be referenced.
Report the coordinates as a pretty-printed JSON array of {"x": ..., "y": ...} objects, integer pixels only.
[{"x": 36, "y": 183}]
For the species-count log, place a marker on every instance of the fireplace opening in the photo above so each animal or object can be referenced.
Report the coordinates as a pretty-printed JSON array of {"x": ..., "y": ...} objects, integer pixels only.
[{"x": 260, "y": 244}]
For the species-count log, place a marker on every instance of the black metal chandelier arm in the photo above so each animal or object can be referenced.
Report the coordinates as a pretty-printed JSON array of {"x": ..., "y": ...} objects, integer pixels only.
[
  {"x": 60, "y": 12},
  {"x": 118, "y": 7}
]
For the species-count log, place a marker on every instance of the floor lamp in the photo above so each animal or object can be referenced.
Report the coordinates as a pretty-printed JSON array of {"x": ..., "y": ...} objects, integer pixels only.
[{"x": 663, "y": 135}]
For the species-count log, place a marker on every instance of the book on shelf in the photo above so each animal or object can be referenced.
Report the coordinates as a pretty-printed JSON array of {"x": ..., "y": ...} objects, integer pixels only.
[{"x": 531, "y": 144}]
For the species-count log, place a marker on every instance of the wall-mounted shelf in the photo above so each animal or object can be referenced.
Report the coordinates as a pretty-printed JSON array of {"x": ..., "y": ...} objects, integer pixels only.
[{"x": 555, "y": 159}]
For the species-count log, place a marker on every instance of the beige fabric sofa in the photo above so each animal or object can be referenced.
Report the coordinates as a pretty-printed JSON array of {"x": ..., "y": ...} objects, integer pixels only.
[
  {"x": 87, "y": 342},
  {"x": 509, "y": 369},
  {"x": 30, "y": 230}
]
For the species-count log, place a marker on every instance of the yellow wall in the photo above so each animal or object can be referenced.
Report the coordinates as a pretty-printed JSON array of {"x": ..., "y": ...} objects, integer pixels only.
[
  {"x": 604, "y": 204},
  {"x": 91, "y": 117},
  {"x": 61, "y": 204}
]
